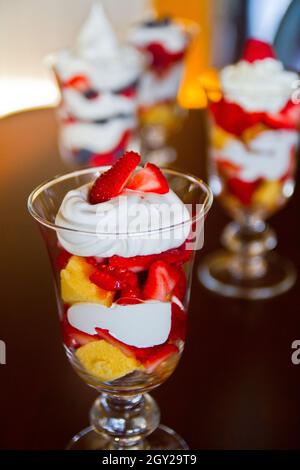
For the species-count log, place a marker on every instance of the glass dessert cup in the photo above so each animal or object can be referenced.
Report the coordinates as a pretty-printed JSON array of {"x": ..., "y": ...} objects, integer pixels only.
[
  {"x": 124, "y": 416},
  {"x": 160, "y": 114},
  {"x": 98, "y": 79},
  {"x": 253, "y": 176}
]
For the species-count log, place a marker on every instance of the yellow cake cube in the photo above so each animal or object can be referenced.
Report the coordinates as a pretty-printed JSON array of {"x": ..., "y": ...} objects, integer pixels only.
[
  {"x": 77, "y": 287},
  {"x": 268, "y": 195},
  {"x": 106, "y": 362}
]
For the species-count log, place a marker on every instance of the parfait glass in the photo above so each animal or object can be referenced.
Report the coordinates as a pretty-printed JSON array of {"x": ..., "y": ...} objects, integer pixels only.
[
  {"x": 124, "y": 416},
  {"x": 164, "y": 117},
  {"x": 252, "y": 164}
]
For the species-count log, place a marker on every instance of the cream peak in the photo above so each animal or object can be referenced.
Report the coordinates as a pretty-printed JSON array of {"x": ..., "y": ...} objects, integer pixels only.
[{"x": 97, "y": 38}]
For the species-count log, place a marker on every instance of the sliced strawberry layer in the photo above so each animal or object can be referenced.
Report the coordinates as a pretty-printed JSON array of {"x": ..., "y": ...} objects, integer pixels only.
[
  {"x": 135, "y": 264},
  {"x": 161, "y": 57},
  {"x": 79, "y": 82},
  {"x": 242, "y": 190},
  {"x": 73, "y": 337},
  {"x": 112, "y": 182},
  {"x": 162, "y": 353},
  {"x": 130, "y": 295},
  {"x": 287, "y": 118},
  {"x": 149, "y": 179},
  {"x": 257, "y": 50},
  {"x": 180, "y": 287},
  {"x": 62, "y": 259},
  {"x": 142, "y": 263},
  {"x": 94, "y": 261},
  {"x": 113, "y": 278},
  {"x": 179, "y": 320},
  {"x": 162, "y": 279},
  {"x": 232, "y": 118}
]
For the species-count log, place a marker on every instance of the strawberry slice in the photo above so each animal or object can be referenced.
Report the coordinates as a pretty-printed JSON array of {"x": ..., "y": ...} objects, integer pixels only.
[
  {"x": 93, "y": 261},
  {"x": 135, "y": 264},
  {"x": 162, "y": 279},
  {"x": 242, "y": 190},
  {"x": 111, "y": 183},
  {"x": 178, "y": 325},
  {"x": 73, "y": 337},
  {"x": 159, "y": 355},
  {"x": 79, "y": 82},
  {"x": 62, "y": 259},
  {"x": 176, "y": 255},
  {"x": 113, "y": 278},
  {"x": 287, "y": 118},
  {"x": 130, "y": 296},
  {"x": 138, "y": 264},
  {"x": 255, "y": 49},
  {"x": 149, "y": 180},
  {"x": 232, "y": 118},
  {"x": 180, "y": 287},
  {"x": 161, "y": 57}
]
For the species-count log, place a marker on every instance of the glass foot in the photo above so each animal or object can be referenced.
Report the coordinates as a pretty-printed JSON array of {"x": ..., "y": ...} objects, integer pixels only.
[
  {"x": 216, "y": 274},
  {"x": 163, "y": 438}
]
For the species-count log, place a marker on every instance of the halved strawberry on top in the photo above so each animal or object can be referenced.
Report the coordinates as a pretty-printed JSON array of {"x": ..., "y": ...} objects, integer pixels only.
[
  {"x": 255, "y": 49},
  {"x": 149, "y": 179},
  {"x": 161, "y": 281},
  {"x": 112, "y": 182}
]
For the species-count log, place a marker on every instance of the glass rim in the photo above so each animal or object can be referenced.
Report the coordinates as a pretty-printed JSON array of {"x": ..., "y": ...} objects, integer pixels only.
[{"x": 50, "y": 182}]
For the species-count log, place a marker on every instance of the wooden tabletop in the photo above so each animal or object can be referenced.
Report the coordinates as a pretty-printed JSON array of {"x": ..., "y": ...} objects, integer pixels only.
[{"x": 235, "y": 387}]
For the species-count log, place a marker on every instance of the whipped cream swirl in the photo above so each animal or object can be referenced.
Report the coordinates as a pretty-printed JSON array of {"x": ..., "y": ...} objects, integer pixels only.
[
  {"x": 99, "y": 56},
  {"x": 261, "y": 86},
  {"x": 118, "y": 227}
]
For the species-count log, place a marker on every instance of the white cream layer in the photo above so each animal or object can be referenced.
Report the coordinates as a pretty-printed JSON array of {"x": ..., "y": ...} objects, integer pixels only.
[
  {"x": 121, "y": 225},
  {"x": 267, "y": 156},
  {"x": 172, "y": 36},
  {"x": 261, "y": 86},
  {"x": 154, "y": 89},
  {"x": 98, "y": 138},
  {"x": 106, "y": 105},
  {"x": 142, "y": 325}
]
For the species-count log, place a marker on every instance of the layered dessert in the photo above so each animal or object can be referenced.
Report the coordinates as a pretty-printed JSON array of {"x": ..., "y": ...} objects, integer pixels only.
[
  {"x": 123, "y": 289},
  {"x": 164, "y": 43},
  {"x": 98, "y": 82},
  {"x": 254, "y": 132}
]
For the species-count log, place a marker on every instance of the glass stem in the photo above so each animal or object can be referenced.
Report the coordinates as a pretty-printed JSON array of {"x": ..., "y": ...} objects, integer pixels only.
[
  {"x": 125, "y": 420},
  {"x": 249, "y": 240}
]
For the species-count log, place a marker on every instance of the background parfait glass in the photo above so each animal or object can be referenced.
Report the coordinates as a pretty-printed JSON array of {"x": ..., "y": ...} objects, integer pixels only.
[
  {"x": 161, "y": 80},
  {"x": 252, "y": 173},
  {"x": 124, "y": 416}
]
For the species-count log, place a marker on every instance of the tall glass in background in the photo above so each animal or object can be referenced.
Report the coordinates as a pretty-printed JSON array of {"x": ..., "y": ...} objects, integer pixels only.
[
  {"x": 160, "y": 115},
  {"x": 253, "y": 176},
  {"x": 124, "y": 416}
]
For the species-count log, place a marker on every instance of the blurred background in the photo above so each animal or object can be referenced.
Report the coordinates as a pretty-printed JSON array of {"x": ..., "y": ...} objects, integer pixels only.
[{"x": 30, "y": 29}]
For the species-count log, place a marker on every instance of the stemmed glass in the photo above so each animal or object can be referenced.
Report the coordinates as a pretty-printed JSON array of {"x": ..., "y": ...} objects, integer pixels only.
[
  {"x": 124, "y": 416},
  {"x": 164, "y": 117},
  {"x": 253, "y": 176}
]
